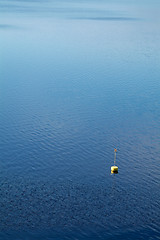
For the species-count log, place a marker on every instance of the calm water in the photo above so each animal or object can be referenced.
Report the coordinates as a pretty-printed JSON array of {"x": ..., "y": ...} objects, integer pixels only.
[{"x": 78, "y": 78}]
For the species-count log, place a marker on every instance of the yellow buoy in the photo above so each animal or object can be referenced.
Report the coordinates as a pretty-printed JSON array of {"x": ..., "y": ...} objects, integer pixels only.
[{"x": 114, "y": 169}]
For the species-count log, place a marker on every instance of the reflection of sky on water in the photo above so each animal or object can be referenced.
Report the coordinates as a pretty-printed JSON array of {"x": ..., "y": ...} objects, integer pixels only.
[
  {"x": 105, "y": 10},
  {"x": 107, "y": 18},
  {"x": 6, "y": 26},
  {"x": 80, "y": 10}
]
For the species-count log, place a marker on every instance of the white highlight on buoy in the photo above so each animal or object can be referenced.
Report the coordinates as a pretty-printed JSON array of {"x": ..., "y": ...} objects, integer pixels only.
[{"x": 114, "y": 169}]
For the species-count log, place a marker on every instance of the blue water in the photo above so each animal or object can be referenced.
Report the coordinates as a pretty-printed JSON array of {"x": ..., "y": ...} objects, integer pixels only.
[{"x": 78, "y": 78}]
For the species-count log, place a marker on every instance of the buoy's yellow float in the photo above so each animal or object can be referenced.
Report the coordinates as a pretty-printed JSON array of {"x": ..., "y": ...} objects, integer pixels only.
[{"x": 114, "y": 169}]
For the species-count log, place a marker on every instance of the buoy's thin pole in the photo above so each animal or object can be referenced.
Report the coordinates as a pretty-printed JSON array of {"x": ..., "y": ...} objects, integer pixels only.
[{"x": 115, "y": 150}]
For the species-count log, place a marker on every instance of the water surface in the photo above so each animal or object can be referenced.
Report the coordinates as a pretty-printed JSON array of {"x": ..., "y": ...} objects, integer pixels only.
[{"x": 78, "y": 78}]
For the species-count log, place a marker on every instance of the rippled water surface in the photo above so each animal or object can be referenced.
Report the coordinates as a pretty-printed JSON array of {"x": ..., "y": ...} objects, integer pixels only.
[{"x": 78, "y": 78}]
